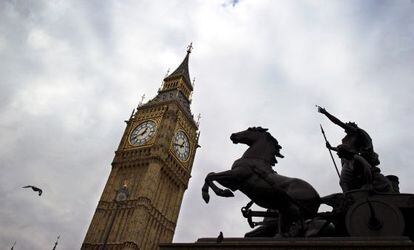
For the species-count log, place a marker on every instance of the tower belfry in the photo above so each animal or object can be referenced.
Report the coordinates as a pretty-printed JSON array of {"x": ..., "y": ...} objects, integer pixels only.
[{"x": 141, "y": 200}]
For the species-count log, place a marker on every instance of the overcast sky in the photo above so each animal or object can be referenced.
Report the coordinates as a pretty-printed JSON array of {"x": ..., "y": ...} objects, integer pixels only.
[{"x": 72, "y": 71}]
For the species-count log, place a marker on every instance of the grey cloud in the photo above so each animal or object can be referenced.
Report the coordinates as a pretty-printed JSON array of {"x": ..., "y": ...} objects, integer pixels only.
[{"x": 72, "y": 72}]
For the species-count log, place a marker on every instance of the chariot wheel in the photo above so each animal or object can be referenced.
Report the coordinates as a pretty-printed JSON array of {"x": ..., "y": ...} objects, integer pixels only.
[{"x": 374, "y": 218}]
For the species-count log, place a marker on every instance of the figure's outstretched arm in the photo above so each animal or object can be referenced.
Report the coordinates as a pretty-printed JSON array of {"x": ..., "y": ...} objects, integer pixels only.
[{"x": 335, "y": 120}]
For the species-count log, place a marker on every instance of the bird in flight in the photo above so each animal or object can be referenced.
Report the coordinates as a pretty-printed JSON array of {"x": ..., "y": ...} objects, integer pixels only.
[{"x": 36, "y": 189}]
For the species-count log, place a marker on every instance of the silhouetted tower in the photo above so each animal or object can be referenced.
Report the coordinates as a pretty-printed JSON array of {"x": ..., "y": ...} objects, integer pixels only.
[{"x": 152, "y": 167}]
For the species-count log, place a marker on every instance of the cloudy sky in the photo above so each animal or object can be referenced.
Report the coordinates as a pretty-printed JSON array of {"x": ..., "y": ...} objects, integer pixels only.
[{"x": 72, "y": 71}]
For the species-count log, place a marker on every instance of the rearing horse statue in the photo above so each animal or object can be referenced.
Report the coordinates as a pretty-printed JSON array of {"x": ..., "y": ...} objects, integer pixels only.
[{"x": 252, "y": 174}]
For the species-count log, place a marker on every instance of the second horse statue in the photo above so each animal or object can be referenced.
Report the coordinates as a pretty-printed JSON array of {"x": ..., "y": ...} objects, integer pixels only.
[{"x": 252, "y": 174}]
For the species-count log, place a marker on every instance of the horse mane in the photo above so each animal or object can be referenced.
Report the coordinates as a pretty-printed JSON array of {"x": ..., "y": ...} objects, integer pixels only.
[{"x": 271, "y": 139}]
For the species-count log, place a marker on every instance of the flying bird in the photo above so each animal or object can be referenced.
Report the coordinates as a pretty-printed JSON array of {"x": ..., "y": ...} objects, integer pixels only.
[
  {"x": 220, "y": 237},
  {"x": 36, "y": 189}
]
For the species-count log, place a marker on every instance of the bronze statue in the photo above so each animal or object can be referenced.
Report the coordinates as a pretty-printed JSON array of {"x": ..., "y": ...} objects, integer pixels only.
[
  {"x": 357, "y": 173},
  {"x": 370, "y": 204},
  {"x": 358, "y": 159},
  {"x": 252, "y": 174},
  {"x": 356, "y": 138}
]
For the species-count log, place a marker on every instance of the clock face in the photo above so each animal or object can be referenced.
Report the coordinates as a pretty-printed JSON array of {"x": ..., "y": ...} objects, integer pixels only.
[
  {"x": 121, "y": 196},
  {"x": 181, "y": 146},
  {"x": 143, "y": 133}
]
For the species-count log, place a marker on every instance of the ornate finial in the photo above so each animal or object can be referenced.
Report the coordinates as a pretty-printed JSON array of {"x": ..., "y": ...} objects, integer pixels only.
[
  {"x": 162, "y": 83},
  {"x": 198, "y": 119},
  {"x": 132, "y": 114},
  {"x": 56, "y": 243},
  {"x": 190, "y": 47},
  {"x": 168, "y": 72},
  {"x": 142, "y": 100},
  {"x": 193, "y": 82}
]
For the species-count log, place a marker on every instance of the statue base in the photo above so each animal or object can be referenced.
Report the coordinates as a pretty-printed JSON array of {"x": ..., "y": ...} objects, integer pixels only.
[{"x": 337, "y": 243}]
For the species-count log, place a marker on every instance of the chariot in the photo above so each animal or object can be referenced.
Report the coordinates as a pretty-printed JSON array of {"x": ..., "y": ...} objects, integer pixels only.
[{"x": 357, "y": 213}]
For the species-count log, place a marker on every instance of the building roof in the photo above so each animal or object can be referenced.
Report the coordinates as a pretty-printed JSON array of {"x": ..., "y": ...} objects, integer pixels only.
[{"x": 182, "y": 70}]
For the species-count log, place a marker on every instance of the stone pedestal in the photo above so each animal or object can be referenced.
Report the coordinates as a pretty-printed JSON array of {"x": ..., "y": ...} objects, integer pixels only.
[{"x": 337, "y": 243}]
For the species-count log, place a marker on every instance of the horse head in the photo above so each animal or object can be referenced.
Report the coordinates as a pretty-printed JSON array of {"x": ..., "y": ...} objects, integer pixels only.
[{"x": 269, "y": 147}]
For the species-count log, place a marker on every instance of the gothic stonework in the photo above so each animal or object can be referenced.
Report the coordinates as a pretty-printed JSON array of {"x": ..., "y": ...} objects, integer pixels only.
[{"x": 152, "y": 166}]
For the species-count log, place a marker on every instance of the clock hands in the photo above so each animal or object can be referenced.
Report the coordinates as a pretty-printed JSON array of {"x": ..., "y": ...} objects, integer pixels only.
[
  {"x": 180, "y": 145},
  {"x": 134, "y": 136},
  {"x": 143, "y": 132}
]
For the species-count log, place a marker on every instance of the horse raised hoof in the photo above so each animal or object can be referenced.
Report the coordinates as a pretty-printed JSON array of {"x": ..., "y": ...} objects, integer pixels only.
[
  {"x": 206, "y": 196},
  {"x": 226, "y": 193}
]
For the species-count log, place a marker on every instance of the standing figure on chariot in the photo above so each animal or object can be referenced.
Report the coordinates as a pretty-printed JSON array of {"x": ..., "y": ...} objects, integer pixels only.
[
  {"x": 358, "y": 159},
  {"x": 356, "y": 138},
  {"x": 357, "y": 173}
]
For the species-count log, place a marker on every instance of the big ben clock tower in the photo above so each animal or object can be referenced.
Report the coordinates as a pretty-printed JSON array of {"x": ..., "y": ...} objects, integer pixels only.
[{"x": 141, "y": 200}]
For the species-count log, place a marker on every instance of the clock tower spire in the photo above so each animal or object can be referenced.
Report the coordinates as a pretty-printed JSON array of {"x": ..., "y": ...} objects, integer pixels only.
[
  {"x": 140, "y": 204},
  {"x": 179, "y": 79}
]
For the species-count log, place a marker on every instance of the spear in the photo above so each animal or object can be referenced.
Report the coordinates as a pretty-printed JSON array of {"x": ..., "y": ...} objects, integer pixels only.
[
  {"x": 56, "y": 243},
  {"x": 13, "y": 246},
  {"x": 330, "y": 152}
]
